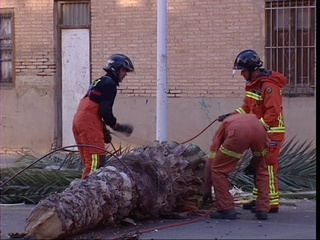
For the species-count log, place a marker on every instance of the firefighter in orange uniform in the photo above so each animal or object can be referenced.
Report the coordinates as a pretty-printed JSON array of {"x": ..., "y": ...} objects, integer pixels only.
[
  {"x": 95, "y": 113},
  {"x": 264, "y": 99},
  {"x": 237, "y": 134}
]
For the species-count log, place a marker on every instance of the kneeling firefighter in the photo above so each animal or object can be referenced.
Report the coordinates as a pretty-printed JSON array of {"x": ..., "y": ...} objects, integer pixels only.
[{"x": 237, "y": 133}]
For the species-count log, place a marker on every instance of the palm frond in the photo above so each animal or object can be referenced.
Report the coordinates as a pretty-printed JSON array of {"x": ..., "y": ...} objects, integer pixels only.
[
  {"x": 297, "y": 168},
  {"x": 52, "y": 174},
  {"x": 33, "y": 185},
  {"x": 60, "y": 160},
  {"x": 297, "y": 171}
]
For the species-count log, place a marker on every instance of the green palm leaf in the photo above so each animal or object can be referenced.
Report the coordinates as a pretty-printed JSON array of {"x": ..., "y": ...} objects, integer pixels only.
[
  {"x": 34, "y": 184},
  {"x": 52, "y": 174},
  {"x": 297, "y": 168},
  {"x": 297, "y": 172}
]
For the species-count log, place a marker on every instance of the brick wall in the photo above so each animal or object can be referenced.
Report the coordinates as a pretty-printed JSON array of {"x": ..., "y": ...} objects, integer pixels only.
[{"x": 203, "y": 40}]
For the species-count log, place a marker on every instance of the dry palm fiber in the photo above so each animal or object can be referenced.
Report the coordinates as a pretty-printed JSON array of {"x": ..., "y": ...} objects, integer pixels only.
[{"x": 145, "y": 183}]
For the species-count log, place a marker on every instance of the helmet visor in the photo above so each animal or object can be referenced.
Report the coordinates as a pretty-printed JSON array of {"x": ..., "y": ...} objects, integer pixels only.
[{"x": 128, "y": 65}]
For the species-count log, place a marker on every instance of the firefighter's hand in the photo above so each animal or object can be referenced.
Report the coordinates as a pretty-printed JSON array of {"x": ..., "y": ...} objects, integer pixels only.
[
  {"x": 223, "y": 117},
  {"x": 207, "y": 195},
  {"x": 126, "y": 129},
  {"x": 107, "y": 135}
]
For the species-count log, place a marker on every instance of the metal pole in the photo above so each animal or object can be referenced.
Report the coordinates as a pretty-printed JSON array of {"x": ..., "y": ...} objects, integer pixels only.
[{"x": 162, "y": 119}]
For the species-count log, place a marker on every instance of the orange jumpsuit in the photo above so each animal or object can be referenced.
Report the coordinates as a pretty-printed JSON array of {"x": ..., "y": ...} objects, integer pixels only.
[
  {"x": 237, "y": 133},
  {"x": 264, "y": 99},
  {"x": 93, "y": 113},
  {"x": 88, "y": 129}
]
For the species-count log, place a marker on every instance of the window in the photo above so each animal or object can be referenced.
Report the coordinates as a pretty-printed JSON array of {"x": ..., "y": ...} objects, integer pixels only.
[
  {"x": 74, "y": 14},
  {"x": 6, "y": 47},
  {"x": 290, "y": 44}
]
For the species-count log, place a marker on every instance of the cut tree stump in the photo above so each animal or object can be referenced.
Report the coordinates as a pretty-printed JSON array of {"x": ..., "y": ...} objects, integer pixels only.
[{"x": 146, "y": 183}]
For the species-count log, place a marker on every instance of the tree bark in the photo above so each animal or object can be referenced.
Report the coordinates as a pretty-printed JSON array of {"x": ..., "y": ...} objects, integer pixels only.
[{"x": 147, "y": 182}]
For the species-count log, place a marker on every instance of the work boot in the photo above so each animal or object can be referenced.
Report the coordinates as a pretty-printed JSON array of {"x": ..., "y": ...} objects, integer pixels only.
[
  {"x": 224, "y": 214},
  {"x": 249, "y": 205},
  {"x": 262, "y": 215},
  {"x": 272, "y": 210}
]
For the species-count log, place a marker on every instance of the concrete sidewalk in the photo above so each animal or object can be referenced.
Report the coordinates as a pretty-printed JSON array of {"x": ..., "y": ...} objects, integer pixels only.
[{"x": 292, "y": 222}]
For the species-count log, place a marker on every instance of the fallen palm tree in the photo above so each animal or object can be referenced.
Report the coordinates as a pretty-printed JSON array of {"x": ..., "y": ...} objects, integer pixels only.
[
  {"x": 147, "y": 182},
  {"x": 297, "y": 173}
]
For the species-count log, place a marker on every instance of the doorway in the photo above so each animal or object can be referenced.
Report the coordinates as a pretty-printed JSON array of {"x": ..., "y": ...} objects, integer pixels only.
[{"x": 73, "y": 74}]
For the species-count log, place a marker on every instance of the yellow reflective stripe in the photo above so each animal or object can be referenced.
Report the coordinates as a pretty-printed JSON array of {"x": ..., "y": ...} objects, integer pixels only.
[
  {"x": 274, "y": 198},
  {"x": 264, "y": 123},
  {"x": 240, "y": 110},
  {"x": 254, "y": 95},
  {"x": 274, "y": 195},
  {"x": 274, "y": 202},
  {"x": 277, "y": 130},
  {"x": 255, "y": 193},
  {"x": 211, "y": 154},
  {"x": 229, "y": 152},
  {"x": 259, "y": 154},
  {"x": 96, "y": 82},
  {"x": 280, "y": 119},
  {"x": 271, "y": 179},
  {"x": 95, "y": 161}
]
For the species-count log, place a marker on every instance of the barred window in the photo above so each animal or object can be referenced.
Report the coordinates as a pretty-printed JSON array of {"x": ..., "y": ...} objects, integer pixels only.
[
  {"x": 6, "y": 47},
  {"x": 74, "y": 14},
  {"x": 290, "y": 44}
]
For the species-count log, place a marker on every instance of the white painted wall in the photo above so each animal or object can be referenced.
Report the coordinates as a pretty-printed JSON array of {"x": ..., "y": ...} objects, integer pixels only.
[{"x": 75, "y": 58}]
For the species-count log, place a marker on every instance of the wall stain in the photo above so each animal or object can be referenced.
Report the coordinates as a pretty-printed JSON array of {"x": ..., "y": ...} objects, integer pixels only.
[
  {"x": 40, "y": 90},
  {"x": 206, "y": 107}
]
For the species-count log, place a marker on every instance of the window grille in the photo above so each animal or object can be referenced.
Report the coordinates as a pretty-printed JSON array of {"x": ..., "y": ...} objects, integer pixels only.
[
  {"x": 6, "y": 47},
  {"x": 290, "y": 44},
  {"x": 74, "y": 14}
]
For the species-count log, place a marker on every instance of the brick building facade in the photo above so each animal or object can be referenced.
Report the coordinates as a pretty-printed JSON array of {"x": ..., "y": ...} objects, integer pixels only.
[{"x": 203, "y": 40}]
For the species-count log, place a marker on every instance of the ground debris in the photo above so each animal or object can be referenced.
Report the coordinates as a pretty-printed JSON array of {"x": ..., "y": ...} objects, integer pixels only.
[{"x": 17, "y": 235}]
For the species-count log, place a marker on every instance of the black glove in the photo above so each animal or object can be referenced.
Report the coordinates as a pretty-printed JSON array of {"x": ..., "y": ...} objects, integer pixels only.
[
  {"x": 107, "y": 135},
  {"x": 127, "y": 129},
  {"x": 207, "y": 195},
  {"x": 223, "y": 117},
  {"x": 250, "y": 169}
]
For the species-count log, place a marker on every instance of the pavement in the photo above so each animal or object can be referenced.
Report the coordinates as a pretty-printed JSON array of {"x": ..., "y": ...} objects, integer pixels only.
[
  {"x": 296, "y": 221},
  {"x": 291, "y": 222}
]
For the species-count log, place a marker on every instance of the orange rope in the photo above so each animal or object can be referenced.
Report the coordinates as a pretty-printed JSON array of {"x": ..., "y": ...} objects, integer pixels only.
[
  {"x": 200, "y": 132},
  {"x": 164, "y": 227},
  {"x": 146, "y": 143}
]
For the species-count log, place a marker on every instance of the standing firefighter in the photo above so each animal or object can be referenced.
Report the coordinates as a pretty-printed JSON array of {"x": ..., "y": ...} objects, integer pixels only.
[
  {"x": 237, "y": 134},
  {"x": 95, "y": 112},
  {"x": 264, "y": 99}
]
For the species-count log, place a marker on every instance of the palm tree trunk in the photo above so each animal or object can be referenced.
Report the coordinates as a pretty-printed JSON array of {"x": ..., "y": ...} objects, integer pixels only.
[{"x": 147, "y": 182}]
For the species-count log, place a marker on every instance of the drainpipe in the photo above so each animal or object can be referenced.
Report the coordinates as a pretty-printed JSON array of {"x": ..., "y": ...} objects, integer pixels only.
[{"x": 162, "y": 119}]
